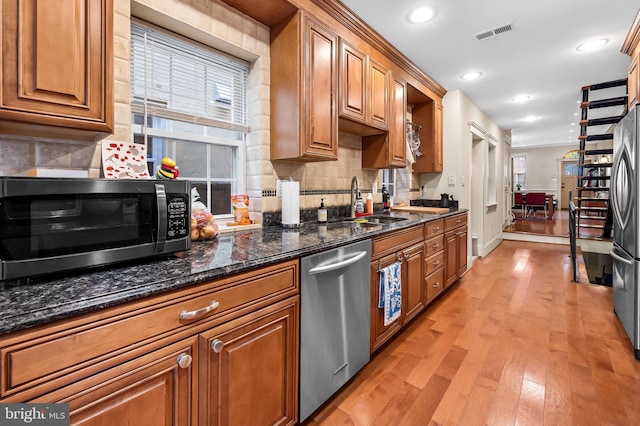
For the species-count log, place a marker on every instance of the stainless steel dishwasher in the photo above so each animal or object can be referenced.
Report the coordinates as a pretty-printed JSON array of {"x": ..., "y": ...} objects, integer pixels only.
[{"x": 334, "y": 321}]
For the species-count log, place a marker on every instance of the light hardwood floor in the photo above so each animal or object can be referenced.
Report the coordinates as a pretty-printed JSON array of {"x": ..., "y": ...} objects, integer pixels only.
[{"x": 514, "y": 342}]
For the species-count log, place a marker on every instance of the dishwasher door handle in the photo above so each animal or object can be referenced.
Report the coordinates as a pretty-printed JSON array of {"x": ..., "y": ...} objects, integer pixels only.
[{"x": 337, "y": 265}]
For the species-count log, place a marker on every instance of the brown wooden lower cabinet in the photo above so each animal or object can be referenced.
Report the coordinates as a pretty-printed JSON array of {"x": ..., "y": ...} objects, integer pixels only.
[
  {"x": 455, "y": 242},
  {"x": 406, "y": 247},
  {"x": 249, "y": 369},
  {"x": 144, "y": 363},
  {"x": 155, "y": 389}
]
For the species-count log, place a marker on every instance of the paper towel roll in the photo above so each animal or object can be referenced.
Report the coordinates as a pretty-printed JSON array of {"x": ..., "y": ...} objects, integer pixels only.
[{"x": 290, "y": 203}]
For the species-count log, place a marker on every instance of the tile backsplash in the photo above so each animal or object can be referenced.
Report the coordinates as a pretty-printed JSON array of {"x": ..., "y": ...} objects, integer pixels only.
[{"x": 20, "y": 155}]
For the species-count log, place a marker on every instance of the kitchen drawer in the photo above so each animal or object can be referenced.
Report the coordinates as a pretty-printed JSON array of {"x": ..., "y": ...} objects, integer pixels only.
[
  {"x": 434, "y": 245},
  {"x": 456, "y": 221},
  {"x": 434, "y": 262},
  {"x": 435, "y": 283},
  {"x": 395, "y": 241},
  {"x": 86, "y": 343},
  {"x": 434, "y": 227}
]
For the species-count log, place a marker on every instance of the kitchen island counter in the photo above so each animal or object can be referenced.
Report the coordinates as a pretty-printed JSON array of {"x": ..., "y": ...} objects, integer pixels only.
[{"x": 41, "y": 301}]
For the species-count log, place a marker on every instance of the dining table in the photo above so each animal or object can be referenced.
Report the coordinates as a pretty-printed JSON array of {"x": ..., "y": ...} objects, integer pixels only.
[{"x": 549, "y": 202}]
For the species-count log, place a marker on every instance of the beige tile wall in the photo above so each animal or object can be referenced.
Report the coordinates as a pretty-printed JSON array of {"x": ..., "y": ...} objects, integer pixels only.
[{"x": 220, "y": 26}]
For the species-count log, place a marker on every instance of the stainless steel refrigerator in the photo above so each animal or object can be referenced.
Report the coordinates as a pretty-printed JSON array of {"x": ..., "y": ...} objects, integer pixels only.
[{"x": 625, "y": 205}]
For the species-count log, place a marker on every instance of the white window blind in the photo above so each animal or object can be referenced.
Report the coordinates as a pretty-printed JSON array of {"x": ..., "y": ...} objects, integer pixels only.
[{"x": 176, "y": 79}]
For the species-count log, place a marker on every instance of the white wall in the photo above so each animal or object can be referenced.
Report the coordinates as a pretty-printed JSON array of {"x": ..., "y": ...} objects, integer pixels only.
[
  {"x": 543, "y": 165},
  {"x": 468, "y": 169}
]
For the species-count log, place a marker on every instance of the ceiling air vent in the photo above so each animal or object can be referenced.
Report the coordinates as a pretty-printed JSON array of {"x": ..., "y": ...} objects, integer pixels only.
[{"x": 493, "y": 32}]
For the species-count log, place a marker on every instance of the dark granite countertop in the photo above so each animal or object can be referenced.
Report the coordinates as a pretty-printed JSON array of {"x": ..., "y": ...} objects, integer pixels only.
[{"x": 42, "y": 301}]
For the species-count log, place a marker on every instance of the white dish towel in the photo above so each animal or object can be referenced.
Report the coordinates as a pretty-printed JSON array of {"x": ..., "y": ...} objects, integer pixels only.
[{"x": 390, "y": 292}]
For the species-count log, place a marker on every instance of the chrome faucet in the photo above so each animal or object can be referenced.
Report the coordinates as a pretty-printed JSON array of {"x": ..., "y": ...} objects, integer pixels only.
[{"x": 354, "y": 198}]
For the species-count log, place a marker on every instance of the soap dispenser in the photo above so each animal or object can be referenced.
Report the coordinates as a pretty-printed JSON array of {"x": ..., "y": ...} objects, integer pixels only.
[
  {"x": 322, "y": 212},
  {"x": 359, "y": 205}
]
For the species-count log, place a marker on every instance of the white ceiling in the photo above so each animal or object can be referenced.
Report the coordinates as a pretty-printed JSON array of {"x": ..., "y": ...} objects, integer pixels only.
[{"x": 537, "y": 58}]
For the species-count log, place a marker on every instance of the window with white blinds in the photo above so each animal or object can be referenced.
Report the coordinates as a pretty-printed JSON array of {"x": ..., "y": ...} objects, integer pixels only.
[{"x": 188, "y": 102}]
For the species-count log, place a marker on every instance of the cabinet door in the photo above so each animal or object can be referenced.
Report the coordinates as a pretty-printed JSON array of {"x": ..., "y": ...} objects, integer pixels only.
[
  {"x": 378, "y": 99},
  {"x": 154, "y": 389},
  {"x": 450, "y": 258},
  {"x": 249, "y": 368},
  {"x": 57, "y": 64},
  {"x": 633, "y": 80},
  {"x": 379, "y": 332},
  {"x": 414, "y": 296},
  {"x": 461, "y": 236},
  {"x": 397, "y": 125},
  {"x": 321, "y": 87},
  {"x": 437, "y": 138},
  {"x": 429, "y": 116},
  {"x": 352, "y": 83}
]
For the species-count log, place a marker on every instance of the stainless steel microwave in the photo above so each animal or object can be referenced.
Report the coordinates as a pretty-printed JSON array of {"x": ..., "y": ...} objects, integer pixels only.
[{"x": 50, "y": 225}]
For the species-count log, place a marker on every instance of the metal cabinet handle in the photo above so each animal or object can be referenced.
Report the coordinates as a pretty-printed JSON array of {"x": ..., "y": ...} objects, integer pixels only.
[
  {"x": 187, "y": 315},
  {"x": 436, "y": 228},
  {"x": 217, "y": 345},
  {"x": 436, "y": 263},
  {"x": 399, "y": 256},
  {"x": 436, "y": 285},
  {"x": 435, "y": 246},
  {"x": 184, "y": 360}
]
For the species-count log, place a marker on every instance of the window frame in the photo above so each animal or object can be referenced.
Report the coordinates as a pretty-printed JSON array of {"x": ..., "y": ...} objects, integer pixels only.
[{"x": 141, "y": 107}]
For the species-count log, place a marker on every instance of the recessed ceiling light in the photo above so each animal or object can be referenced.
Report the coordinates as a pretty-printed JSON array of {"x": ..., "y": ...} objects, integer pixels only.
[
  {"x": 471, "y": 75},
  {"x": 592, "y": 45},
  {"x": 520, "y": 98},
  {"x": 421, "y": 15},
  {"x": 530, "y": 118}
]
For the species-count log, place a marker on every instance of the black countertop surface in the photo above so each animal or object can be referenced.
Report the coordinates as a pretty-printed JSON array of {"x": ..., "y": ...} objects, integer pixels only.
[{"x": 41, "y": 301}]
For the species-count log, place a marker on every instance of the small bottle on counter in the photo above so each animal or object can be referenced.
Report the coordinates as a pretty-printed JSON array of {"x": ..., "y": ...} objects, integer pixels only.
[
  {"x": 368, "y": 207},
  {"x": 386, "y": 205},
  {"x": 359, "y": 205},
  {"x": 322, "y": 212}
]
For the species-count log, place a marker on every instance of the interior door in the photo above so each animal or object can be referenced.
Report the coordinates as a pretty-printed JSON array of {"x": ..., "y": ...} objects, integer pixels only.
[{"x": 569, "y": 181}]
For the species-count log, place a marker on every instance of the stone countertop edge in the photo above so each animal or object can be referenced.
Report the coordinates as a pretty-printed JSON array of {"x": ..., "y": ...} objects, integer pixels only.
[{"x": 43, "y": 301}]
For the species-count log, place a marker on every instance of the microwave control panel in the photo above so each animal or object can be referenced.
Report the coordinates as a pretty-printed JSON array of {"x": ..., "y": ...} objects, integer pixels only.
[{"x": 178, "y": 220}]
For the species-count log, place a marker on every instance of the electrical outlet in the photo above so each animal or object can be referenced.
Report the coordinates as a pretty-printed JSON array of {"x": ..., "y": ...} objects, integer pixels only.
[
  {"x": 452, "y": 179},
  {"x": 278, "y": 188}
]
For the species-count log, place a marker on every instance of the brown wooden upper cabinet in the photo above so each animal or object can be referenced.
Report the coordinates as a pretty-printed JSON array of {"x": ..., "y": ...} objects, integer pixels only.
[
  {"x": 427, "y": 113},
  {"x": 57, "y": 68},
  {"x": 364, "y": 92},
  {"x": 631, "y": 47},
  {"x": 304, "y": 90},
  {"x": 388, "y": 150}
]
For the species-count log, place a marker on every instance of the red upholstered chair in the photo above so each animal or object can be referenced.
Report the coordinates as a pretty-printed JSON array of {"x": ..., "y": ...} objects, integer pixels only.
[
  {"x": 537, "y": 201},
  {"x": 518, "y": 203}
]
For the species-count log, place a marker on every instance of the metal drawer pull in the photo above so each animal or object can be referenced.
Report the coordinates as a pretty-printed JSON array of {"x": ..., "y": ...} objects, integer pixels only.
[
  {"x": 217, "y": 345},
  {"x": 435, "y": 246},
  {"x": 187, "y": 315},
  {"x": 436, "y": 285},
  {"x": 184, "y": 360},
  {"x": 436, "y": 263}
]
